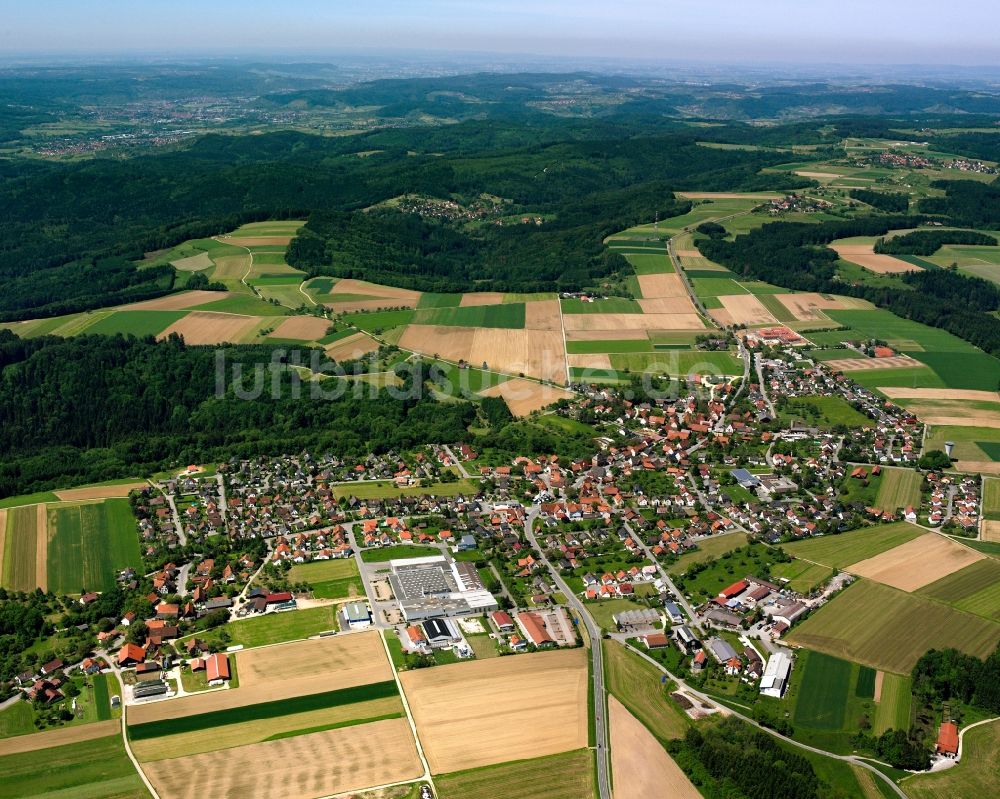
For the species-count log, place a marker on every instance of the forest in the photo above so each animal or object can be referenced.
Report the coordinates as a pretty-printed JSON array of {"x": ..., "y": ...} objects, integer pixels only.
[
  {"x": 949, "y": 675},
  {"x": 928, "y": 242},
  {"x": 888, "y": 201}
]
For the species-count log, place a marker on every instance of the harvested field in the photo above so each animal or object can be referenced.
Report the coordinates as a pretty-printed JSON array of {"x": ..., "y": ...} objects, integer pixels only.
[
  {"x": 982, "y": 467},
  {"x": 180, "y": 301},
  {"x": 687, "y": 253},
  {"x": 100, "y": 492},
  {"x": 491, "y": 711},
  {"x": 256, "y": 241},
  {"x": 666, "y": 305},
  {"x": 969, "y": 417},
  {"x": 20, "y": 548},
  {"x": 661, "y": 285},
  {"x": 863, "y": 255},
  {"x": 211, "y": 327},
  {"x": 864, "y": 364},
  {"x": 364, "y": 288},
  {"x": 278, "y": 672},
  {"x": 721, "y": 316},
  {"x": 534, "y": 353},
  {"x": 632, "y": 321},
  {"x": 746, "y": 309},
  {"x": 542, "y": 315},
  {"x": 916, "y": 563},
  {"x": 352, "y": 758},
  {"x": 640, "y": 765},
  {"x": 193, "y": 263},
  {"x": 879, "y": 680},
  {"x": 231, "y": 267},
  {"x": 990, "y": 531},
  {"x": 606, "y": 335},
  {"x": 804, "y": 174},
  {"x": 303, "y": 328},
  {"x": 590, "y": 361},
  {"x": 482, "y": 298},
  {"x": 808, "y": 306},
  {"x": 58, "y": 737},
  {"x": 525, "y": 396},
  {"x": 900, "y": 392}
]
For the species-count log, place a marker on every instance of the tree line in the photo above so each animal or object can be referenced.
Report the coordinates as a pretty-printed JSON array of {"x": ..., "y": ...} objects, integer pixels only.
[{"x": 928, "y": 242}]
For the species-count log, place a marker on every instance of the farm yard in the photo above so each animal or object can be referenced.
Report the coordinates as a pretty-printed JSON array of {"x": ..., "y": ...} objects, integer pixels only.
[
  {"x": 889, "y": 629},
  {"x": 639, "y": 763},
  {"x": 492, "y": 711}
]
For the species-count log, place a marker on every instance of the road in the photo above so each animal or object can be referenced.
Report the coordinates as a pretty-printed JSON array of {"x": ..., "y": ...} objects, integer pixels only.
[
  {"x": 763, "y": 389},
  {"x": 685, "y": 605},
  {"x": 461, "y": 466},
  {"x": 178, "y": 527},
  {"x": 852, "y": 759},
  {"x": 596, "y": 654}
]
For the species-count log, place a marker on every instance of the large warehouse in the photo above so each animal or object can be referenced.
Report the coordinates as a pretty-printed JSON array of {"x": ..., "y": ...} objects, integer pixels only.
[{"x": 432, "y": 587}]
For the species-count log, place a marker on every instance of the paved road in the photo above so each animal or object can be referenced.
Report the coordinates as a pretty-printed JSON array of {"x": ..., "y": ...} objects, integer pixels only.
[
  {"x": 854, "y": 761},
  {"x": 665, "y": 577},
  {"x": 461, "y": 466},
  {"x": 178, "y": 527},
  {"x": 596, "y": 653},
  {"x": 763, "y": 389}
]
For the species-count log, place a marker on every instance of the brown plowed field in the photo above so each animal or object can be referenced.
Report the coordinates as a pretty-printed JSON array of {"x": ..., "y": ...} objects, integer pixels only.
[
  {"x": 304, "y": 328},
  {"x": 99, "y": 492},
  {"x": 641, "y": 766},
  {"x": 179, "y": 302},
  {"x": 501, "y": 709},
  {"x": 482, "y": 298},
  {"x": 301, "y": 767},
  {"x": 746, "y": 309},
  {"x": 526, "y": 396},
  {"x": 211, "y": 327},
  {"x": 916, "y": 563},
  {"x": 542, "y": 315},
  {"x": 864, "y": 255},
  {"x": 661, "y": 285}
]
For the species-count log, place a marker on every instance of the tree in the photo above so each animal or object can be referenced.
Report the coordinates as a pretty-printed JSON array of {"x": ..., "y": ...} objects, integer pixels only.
[{"x": 934, "y": 460}]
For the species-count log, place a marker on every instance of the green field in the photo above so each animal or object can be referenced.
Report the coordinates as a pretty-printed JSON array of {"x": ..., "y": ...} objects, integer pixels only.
[
  {"x": 894, "y": 704},
  {"x": 321, "y": 285},
  {"x": 838, "y": 551},
  {"x": 609, "y": 305},
  {"x": 636, "y": 684},
  {"x": 275, "y": 628},
  {"x": 975, "y": 589},
  {"x": 97, "y": 769},
  {"x": 991, "y": 498},
  {"x": 824, "y": 412},
  {"x": 678, "y": 362},
  {"x": 802, "y": 576},
  {"x": 505, "y": 316},
  {"x": 102, "y": 698},
  {"x": 777, "y": 308},
  {"x": 379, "y": 320},
  {"x": 263, "y": 710},
  {"x": 976, "y": 775},
  {"x": 707, "y": 548},
  {"x": 823, "y": 691},
  {"x": 888, "y": 629},
  {"x": 135, "y": 323},
  {"x": 900, "y": 489},
  {"x": 968, "y": 440},
  {"x": 383, "y": 490},
  {"x": 18, "y": 719},
  {"x": 431, "y": 300},
  {"x": 20, "y": 549},
  {"x": 384, "y": 554},
  {"x": 330, "y": 579},
  {"x": 464, "y": 380},
  {"x": 603, "y": 610},
  {"x": 716, "y": 287},
  {"x": 89, "y": 543},
  {"x": 864, "y": 688},
  {"x": 251, "y": 305},
  {"x": 565, "y": 776},
  {"x": 650, "y": 263}
]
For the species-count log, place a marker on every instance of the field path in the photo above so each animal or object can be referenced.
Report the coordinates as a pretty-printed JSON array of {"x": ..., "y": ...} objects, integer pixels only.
[
  {"x": 3, "y": 535},
  {"x": 42, "y": 547},
  {"x": 562, "y": 327}
]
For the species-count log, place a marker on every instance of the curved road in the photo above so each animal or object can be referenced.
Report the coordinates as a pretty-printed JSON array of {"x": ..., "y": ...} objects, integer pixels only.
[{"x": 596, "y": 654}]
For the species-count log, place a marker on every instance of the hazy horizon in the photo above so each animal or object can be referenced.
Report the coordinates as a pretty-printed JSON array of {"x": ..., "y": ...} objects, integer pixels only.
[{"x": 849, "y": 33}]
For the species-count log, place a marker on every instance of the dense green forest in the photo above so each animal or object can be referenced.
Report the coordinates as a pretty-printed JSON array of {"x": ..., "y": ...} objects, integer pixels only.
[
  {"x": 888, "y": 201},
  {"x": 967, "y": 203},
  {"x": 928, "y": 242},
  {"x": 794, "y": 255}
]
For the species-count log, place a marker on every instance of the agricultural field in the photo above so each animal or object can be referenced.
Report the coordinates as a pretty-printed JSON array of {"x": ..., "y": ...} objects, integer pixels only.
[
  {"x": 75, "y": 770},
  {"x": 975, "y": 589},
  {"x": 888, "y": 629},
  {"x": 135, "y": 323},
  {"x": 24, "y": 549},
  {"x": 973, "y": 445},
  {"x": 678, "y": 362},
  {"x": 802, "y": 576},
  {"x": 274, "y": 628},
  {"x": 89, "y": 543},
  {"x": 330, "y": 579},
  {"x": 991, "y": 498},
  {"x": 524, "y": 397},
  {"x": 491, "y": 711},
  {"x": 640, "y": 765},
  {"x": 916, "y": 563},
  {"x": 838, "y": 551},
  {"x": 503, "y": 316},
  {"x": 894, "y": 701},
  {"x": 564, "y": 776},
  {"x": 977, "y": 774},
  {"x": 823, "y": 412},
  {"x": 636, "y": 684}
]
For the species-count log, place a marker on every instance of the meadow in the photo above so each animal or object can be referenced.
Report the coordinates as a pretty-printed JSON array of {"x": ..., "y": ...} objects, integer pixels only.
[
  {"x": 504, "y": 316},
  {"x": 89, "y": 543},
  {"x": 274, "y": 628},
  {"x": 609, "y": 305},
  {"x": 975, "y": 589},
  {"x": 330, "y": 579},
  {"x": 636, "y": 684},
  {"x": 135, "y": 323},
  {"x": 838, "y": 551},
  {"x": 968, "y": 441},
  {"x": 708, "y": 548},
  {"x": 991, "y": 498},
  {"x": 678, "y": 363},
  {"x": 823, "y": 412},
  {"x": 900, "y": 489},
  {"x": 569, "y": 775},
  {"x": 802, "y": 576},
  {"x": 20, "y": 549},
  {"x": 894, "y": 704},
  {"x": 887, "y": 629},
  {"x": 85, "y": 770}
]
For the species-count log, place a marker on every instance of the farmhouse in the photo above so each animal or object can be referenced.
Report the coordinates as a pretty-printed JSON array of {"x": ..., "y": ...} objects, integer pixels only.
[
  {"x": 775, "y": 678},
  {"x": 217, "y": 669},
  {"x": 947, "y": 742},
  {"x": 130, "y": 655}
]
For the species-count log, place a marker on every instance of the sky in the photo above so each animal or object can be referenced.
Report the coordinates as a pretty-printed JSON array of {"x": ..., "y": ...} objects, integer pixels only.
[{"x": 958, "y": 32}]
